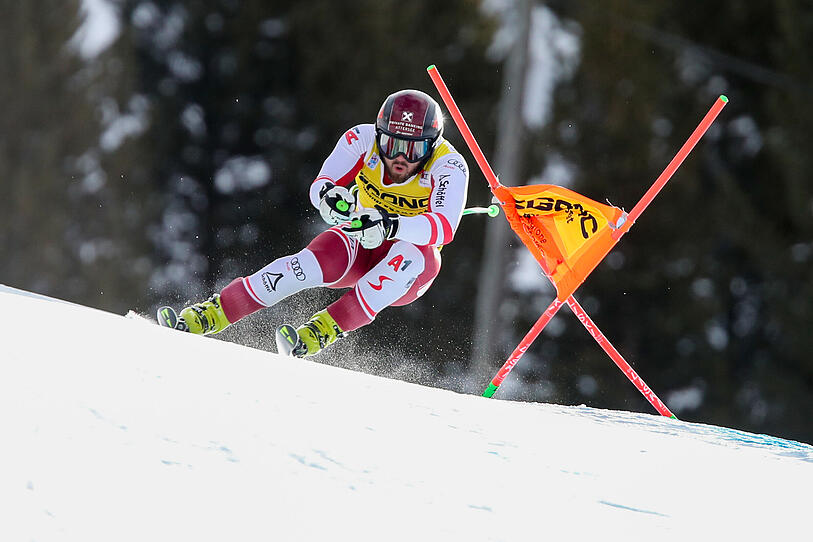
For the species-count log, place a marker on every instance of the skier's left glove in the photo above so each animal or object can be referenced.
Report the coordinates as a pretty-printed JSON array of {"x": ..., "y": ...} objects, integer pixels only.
[
  {"x": 372, "y": 227},
  {"x": 336, "y": 204}
]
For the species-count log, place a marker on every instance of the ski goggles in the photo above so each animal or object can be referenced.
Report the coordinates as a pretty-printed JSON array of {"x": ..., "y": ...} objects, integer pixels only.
[{"x": 414, "y": 150}]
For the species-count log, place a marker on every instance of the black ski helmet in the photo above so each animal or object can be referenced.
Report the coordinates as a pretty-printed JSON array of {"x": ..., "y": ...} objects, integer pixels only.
[{"x": 408, "y": 118}]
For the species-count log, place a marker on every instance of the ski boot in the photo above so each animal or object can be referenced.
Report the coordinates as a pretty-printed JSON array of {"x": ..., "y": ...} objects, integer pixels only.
[
  {"x": 203, "y": 318},
  {"x": 310, "y": 338}
]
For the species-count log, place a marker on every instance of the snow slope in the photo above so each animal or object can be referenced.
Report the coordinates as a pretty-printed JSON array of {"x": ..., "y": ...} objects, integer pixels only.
[{"x": 113, "y": 429}]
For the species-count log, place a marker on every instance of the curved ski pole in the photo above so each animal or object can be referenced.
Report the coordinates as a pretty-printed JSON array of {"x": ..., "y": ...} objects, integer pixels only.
[{"x": 492, "y": 210}]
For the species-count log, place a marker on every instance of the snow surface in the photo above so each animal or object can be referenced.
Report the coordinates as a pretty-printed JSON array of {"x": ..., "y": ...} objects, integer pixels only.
[{"x": 114, "y": 429}]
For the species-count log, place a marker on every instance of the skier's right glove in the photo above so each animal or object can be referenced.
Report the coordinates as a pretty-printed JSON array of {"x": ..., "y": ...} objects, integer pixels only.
[
  {"x": 371, "y": 227},
  {"x": 336, "y": 204}
]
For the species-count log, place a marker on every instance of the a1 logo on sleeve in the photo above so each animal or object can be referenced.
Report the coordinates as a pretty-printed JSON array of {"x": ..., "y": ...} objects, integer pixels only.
[
  {"x": 399, "y": 263},
  {"x": 351, "y": 135}
]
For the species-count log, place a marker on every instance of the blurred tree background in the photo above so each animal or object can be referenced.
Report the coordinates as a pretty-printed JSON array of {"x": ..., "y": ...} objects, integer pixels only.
[{"x": 157, "y": 165}]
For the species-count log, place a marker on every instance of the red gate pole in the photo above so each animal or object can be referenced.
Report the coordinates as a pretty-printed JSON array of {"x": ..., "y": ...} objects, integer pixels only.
[
  {"x": 618, "y": 359},
  {"x": 633, "y": 215}
]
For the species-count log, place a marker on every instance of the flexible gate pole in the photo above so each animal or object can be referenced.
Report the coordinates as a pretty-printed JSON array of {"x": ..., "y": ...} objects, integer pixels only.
[{"x": 554, "y": 307}]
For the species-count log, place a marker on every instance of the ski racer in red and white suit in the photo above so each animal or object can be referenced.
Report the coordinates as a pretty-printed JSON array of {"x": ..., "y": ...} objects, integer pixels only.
[{"x": 394, "y": 193}]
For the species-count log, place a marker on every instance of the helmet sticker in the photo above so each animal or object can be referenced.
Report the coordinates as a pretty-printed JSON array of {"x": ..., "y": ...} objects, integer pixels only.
[{"x": 407, "y": 117}]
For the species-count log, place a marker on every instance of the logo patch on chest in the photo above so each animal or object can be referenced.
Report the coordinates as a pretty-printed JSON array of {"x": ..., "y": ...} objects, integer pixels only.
[{"x": 402, "y": 202}]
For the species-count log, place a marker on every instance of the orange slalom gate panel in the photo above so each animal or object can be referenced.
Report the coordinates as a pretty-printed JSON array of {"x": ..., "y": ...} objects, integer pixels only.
[{"x": 568, "y": 234}]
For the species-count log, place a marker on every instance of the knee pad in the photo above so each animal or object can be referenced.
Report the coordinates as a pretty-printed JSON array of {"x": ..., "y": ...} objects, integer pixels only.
[{"x": 390, "y": 278}]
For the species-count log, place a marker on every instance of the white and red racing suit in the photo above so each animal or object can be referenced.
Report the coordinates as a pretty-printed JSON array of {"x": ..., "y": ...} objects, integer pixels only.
[{"x": 429, "y": 204}]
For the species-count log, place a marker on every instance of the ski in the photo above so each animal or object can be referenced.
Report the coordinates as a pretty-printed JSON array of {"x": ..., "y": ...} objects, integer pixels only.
[
  {"x": 167, "y": 317},
  {"x": 288, "y": 340}
]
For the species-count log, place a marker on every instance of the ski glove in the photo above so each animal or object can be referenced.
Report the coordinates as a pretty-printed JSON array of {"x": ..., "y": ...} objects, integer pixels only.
[
  {"x": 371, "y": 227},
  {"x": 336, "y": 204}
]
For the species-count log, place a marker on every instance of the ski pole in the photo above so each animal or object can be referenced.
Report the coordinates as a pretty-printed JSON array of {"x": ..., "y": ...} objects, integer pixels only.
[{"x": 492, "y": 210}]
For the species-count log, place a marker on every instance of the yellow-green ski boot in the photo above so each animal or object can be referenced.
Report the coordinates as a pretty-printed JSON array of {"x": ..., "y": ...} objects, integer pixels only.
[
  {"x": 205, "y": 318},
  {"x": 310, "y": 338}
]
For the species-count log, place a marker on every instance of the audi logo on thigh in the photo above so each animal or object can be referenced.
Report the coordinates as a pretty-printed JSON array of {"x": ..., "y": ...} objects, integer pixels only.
[{"x": 297, "y": 269}]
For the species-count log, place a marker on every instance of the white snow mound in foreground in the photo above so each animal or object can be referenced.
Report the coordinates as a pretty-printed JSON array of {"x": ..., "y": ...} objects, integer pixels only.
[{"x": 114, "y": 429}]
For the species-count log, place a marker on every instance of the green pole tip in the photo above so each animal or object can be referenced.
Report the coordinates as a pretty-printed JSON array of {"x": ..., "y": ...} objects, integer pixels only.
[
  {"x": 490, "y": 390},
  {"x": 724, "y": 98},
  {"x": 431, "y": 67},
  {"x": 493, "y": 210}
]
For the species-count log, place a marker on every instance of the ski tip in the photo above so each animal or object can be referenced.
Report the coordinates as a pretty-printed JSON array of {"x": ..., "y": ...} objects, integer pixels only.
[
  {"x": 430, "y": 67},
  {"x": 724, "y": 98},
  {"x": 167, "y": 317},
  {"x": 286, "y": 339}
]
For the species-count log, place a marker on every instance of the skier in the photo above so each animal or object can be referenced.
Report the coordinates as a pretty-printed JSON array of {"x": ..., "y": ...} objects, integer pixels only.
[{"x": 393, "y": 193}]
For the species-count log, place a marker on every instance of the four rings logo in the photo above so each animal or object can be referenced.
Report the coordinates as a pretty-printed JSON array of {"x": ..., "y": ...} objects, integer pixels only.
[
  {"x": 297, "y": 269},
  {"x": 458, "y": 164}
]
